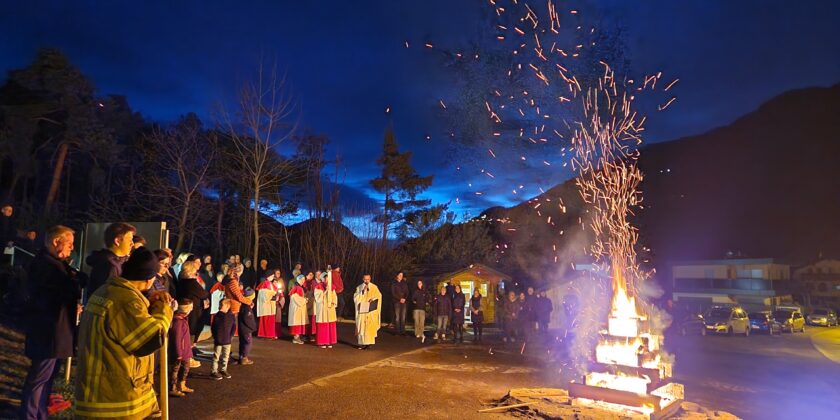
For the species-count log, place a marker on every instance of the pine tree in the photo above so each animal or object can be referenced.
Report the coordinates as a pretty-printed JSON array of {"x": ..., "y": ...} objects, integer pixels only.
[{"x": 400, "y": 184}]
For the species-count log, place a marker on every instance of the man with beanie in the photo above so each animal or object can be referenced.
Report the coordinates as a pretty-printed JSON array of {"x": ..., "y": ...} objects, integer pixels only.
[
  {"x": 247, "y": 327},
  {"x": 118, "y": 335}
]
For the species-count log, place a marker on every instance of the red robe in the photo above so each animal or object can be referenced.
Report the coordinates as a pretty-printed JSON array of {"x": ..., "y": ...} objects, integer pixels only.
[
  {"x": 297, "y": 329},
  {"x": 325, "y": 332},
  {"x": 267, "y": 323}
]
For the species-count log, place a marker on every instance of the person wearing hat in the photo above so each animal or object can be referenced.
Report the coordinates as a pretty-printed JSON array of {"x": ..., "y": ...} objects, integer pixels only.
[
  {"x": 179, "y": 338},
  {"x": 247, "y": 326},
  {"x": 298, "y": 318},
  {"x": 118, "y": 335}
]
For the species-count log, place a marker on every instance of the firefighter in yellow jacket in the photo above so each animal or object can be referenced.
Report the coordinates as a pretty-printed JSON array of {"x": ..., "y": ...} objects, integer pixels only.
[{"x": 119, "y": 332}]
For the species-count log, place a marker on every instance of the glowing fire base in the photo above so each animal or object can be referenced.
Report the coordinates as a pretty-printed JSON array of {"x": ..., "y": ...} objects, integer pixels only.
[{"x": 629, "y": 375}]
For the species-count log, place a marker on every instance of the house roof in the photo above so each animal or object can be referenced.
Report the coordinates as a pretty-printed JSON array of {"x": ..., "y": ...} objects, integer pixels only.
[{"x": 472, "y": 268}]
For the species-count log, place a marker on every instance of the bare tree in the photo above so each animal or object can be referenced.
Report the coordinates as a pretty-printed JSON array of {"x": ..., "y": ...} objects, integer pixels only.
[
  {"x": 179, "y": 159},
  {"x": 260, "y": 127}
]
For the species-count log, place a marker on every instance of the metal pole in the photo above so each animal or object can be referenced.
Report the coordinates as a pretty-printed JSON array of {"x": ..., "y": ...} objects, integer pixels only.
[{"x": 164, "y": 382}]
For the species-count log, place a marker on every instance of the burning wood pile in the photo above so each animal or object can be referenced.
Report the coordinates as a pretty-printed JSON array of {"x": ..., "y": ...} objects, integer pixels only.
[{"x": 630, "y": 372}]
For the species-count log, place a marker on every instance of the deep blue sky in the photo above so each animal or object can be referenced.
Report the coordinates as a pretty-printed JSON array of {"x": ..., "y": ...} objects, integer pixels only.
[{"x": 347, "y": 61}]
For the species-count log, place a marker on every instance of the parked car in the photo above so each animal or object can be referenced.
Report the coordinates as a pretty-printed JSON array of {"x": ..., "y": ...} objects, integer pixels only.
[
  {"x": 693, "y": 324},
  {"x": 826, "y": 317},
  {"x": 765, "y": 322},
  {"x": 727, "y": 320},
  {"x": 791, "y": 319}
]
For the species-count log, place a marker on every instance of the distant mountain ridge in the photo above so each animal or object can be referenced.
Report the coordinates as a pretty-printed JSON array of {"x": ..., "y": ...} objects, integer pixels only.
[{"x": 766, "y": 185}]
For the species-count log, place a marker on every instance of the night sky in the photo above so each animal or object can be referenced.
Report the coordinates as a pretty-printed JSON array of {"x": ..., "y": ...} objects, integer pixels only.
[{"x": 347, "y": 62}]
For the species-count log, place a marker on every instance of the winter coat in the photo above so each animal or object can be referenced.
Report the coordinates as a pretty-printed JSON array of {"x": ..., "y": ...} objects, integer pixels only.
[
  {"x": 246, "y": 321},
  {"x": 51, "y": 321},
  {"x": 223, "y": 328},
  {"x": 248, "y": 278},
  {"x": 544, "y": 308},
  {"x": 399, "y": 290},
  {"x": 118, "y": 335},
  {"x": 443, "y": 305},
  {"x": 190, "y": 289},
  {"x": 458, "y": 302},
  {"x": 233, "y": 291},
  {"x": 104, "y": 264},
  {"x": 179, "y": 337},
  {"x": 477, "y": 311},
  {"x": 512, "y": 309},
  {"x": 419, "y": 298},
  {"x": 8, "y": 232},
  {"x": 529, "y": 308}
]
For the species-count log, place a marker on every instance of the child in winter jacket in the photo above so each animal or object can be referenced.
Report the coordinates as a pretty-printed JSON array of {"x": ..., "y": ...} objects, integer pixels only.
[
  {"x": 223, "y": 328},
  {"x": 247, "y": 327},
  {"x": 179, "y": 336}
]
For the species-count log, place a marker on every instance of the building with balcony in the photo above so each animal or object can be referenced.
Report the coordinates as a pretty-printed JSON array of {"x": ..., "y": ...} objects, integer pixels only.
[
  {"x": 755, "y": 284},
  {"x": 818, "y": 284}
]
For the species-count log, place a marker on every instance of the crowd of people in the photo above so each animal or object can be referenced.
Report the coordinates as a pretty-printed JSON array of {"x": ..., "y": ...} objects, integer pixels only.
[{"x": 115, "y": 321}]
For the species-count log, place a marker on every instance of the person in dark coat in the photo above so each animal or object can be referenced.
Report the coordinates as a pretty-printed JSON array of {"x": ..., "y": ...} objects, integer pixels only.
[
  {"x": 51, "y": 324},
  {"x": 189, "y": 288},
  {"x": 512, "y": 307},
  {"x": 443, "y": 307},
  {"x": 400, "y": 296},
  {"x": 459, "y": 301},
  {"x": 544, "y": 308},
  {"x": 247, "y": 327},
  {"x": 419, "y": 298},
  {"x": 477, "y": 316},
  {"x": 8, "y": 230},
  {"x": 107, "y": 262},
  {"x": 529, "y": 312},
  {"x": 248, "y": 278}
]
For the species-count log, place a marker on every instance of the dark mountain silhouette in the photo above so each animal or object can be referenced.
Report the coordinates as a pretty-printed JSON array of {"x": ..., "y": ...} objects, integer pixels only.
[{"x": 767, "y": 185}]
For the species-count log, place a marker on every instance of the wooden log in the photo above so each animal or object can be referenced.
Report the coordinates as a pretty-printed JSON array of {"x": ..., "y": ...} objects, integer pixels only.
[{"x": 503, "y": 408}]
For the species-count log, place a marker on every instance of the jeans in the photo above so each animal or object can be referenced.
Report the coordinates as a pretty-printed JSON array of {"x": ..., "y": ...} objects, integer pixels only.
[
  {"x": 399, "y": 316},
  {"x": 419, "y": 322},
  {"x": 245, "y": 345},
  {"x": 37, "y": 389},
  {"x": 180, "y": 371},
  {"x": 442, "y": 324},
  {"x": 221, "y": 354}
]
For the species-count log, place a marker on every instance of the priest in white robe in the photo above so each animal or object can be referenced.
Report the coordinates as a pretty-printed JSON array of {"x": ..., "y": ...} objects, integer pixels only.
[{"x": 368, "y": 302}]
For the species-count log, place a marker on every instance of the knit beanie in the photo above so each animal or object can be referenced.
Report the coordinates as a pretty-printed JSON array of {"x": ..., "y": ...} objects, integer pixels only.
[
  {"x": 141, "y": 265},
  {"x": 300, "y": 278},
  {"x": 185, "y": 308},
  {"x": 249, "y": 293}
]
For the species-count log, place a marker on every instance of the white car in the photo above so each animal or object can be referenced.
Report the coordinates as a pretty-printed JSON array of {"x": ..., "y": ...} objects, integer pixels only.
[{"x": 727, "y": 320}]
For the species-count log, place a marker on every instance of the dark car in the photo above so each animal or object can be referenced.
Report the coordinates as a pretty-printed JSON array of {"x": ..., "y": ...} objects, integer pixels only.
[
  {"x": 692, "y": 324},
  {"x": 765, "y": 322}
]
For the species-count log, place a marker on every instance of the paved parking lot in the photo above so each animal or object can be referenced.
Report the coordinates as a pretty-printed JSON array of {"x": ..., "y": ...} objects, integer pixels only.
[{"x": 763, "y": 377}]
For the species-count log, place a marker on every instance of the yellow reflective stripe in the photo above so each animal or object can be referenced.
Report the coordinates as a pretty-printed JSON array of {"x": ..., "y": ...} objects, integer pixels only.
[
  {"x": 93, "y": 405},
  {"x": 94, "y": 409},
  {"x": 141, "y": 329},
  {"x": 166, "y": 321}
]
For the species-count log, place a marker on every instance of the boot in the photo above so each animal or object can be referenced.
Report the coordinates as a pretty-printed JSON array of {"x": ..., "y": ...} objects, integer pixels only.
[
  {"x": 175, "y": 392},
  {"x": 183, "y": 388}
]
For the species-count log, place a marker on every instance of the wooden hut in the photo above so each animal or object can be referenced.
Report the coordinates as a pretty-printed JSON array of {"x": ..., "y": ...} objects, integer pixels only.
[{"x": 476, "y": 276}]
